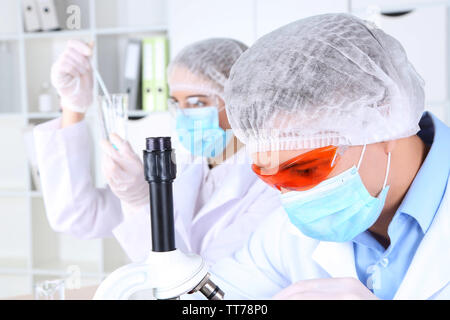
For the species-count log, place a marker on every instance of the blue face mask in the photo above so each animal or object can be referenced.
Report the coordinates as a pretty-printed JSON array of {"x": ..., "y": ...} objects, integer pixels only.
[
  {"x": 199, "y": 132},
  {"x": 338, "y": 209}
]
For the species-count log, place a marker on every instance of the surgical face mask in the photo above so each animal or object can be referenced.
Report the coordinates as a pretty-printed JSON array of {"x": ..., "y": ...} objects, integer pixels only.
[
  {"x": 199, "y": 131},
  {"x": 337, "y": 209}
]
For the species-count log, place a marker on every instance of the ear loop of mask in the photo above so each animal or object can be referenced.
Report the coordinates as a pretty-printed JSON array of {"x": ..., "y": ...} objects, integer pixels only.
[
  {"x": 388, "y": 166},
  {"x": 361, "y": 157}
]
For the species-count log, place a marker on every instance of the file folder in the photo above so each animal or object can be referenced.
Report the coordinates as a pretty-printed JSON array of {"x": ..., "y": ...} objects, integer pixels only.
[
  {"x": 161, "y": 60},
  {"x": 31, "y": 16},
  {"x": 48, "y": 15},
  {"x": 148, "y": 84},
  {"x": 132, "y": 77}
]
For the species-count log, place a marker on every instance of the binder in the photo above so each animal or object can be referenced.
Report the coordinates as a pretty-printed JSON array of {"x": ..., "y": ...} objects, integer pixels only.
[
  {"x": 161, "y": 60},
  {"x": 48, "y": 15},
  {"x": 133, "y": 74},
  {"x": 31, "y": 16},
  {"x": 148, "y": 84}
]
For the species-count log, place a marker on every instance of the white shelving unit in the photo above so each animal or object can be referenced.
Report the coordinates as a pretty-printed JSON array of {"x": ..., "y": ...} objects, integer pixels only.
[{"x": 31, "y": 251}]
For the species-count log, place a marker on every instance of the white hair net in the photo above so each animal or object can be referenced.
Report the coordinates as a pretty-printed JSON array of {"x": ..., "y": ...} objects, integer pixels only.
[
  {"x": 331, "y": 79},
  {"x": 204, "y": 66}
]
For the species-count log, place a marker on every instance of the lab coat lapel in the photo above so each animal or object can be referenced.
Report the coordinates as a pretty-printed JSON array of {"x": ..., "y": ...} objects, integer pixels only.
[
  {"x": 429, "y": 269},
  {"x": 186, "y": 190},
  {"x": 336, "y": 258}
]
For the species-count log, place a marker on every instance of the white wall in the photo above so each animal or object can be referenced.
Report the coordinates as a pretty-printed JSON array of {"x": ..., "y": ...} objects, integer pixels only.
[
  {"x": 423, "y": 32},
  {"x": 271, "y": 15},
  {"x": 244, "y": 20},
  {"x": 193, "y": 20},
  {"x": 130, "y": 13}
]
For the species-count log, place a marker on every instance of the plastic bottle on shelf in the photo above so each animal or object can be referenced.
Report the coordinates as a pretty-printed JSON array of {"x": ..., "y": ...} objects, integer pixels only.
[{"x": 45, "y": 98}]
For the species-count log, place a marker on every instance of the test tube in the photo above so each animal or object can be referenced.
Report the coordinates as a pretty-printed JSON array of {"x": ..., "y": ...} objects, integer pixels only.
[{"x": 113, "y": 114}]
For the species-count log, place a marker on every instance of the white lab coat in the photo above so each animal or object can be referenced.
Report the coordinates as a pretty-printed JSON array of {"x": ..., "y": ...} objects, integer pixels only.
[
  {"x": 75, "y": 206},
  {"x": 278, "y": 255}
]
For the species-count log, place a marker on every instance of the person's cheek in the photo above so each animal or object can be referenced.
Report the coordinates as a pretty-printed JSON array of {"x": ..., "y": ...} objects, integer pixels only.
[
  {"x": 373, "y": 169},
  {"x": 345, "y": 161},
  {"x": 223, "y": 120}
]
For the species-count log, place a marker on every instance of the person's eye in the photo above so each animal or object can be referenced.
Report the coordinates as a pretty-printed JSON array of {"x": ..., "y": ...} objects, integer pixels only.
[
  {"x": 200, "y": 104},
  {"x": 304, "y": 172},
  {"x": 195, "y": 102}
]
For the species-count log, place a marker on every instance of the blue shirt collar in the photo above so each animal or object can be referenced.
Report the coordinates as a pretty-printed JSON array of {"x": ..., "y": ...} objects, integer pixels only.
[{"x": 427, "y": 189}]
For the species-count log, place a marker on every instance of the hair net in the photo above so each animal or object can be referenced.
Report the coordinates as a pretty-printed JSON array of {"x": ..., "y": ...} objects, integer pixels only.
[
  {"x": 331, "y": 79},
  {"x": 205, "y": 65}
]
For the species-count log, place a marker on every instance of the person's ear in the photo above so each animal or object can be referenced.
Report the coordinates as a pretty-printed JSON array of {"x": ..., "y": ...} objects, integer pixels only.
[{"x": 389, "y": 146}]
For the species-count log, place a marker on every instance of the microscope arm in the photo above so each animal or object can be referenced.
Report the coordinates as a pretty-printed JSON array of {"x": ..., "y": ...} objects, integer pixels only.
[{"x": 124, "y": 282}]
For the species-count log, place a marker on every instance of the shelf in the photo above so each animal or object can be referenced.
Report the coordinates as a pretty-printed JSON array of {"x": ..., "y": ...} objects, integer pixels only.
[
  {"x": 14, "y": 271},
  {"x": 85, "y": 280},
  {"x": 54, "y": 115},
  {"x": 130, "y": 30},
  {"x": 36, "y": 194},
  {"x": 59, "y": 267},
  {"x": 14, "y": 194},
  {"x": 11, "y": 114},
  {"x": 9, "y": 37},
  {"x": 83, "y": 33},
  {"x": 14, "y": 285},
  {"x": 42, "y": 115},
  {"x": 20, "y": 194},
  {"x": 59, "y": 273},
  {"x": 59, "y": 34},
  {"x": 13, "y": 265}
]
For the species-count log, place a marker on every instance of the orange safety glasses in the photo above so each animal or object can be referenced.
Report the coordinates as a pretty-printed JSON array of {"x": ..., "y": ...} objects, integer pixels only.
[{"x": 302, "y": 172}]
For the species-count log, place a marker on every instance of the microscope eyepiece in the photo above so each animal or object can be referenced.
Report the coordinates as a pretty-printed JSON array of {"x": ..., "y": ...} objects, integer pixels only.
[
  {"x": 160, "y": 172},
  {"x": 159, "y": 160},
  {"x": 158, "y": 144}
]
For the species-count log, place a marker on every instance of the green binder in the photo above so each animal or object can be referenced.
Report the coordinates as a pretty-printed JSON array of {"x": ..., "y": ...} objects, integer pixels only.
[
  {"x": 148, "y": 75},
  {"x": 154, "y": 79},
  {"x": 161, "y": 61}
]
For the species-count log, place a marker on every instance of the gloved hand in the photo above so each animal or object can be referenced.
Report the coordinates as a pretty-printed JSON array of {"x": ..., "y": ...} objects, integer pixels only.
[
  {"x": 124, "y": 172},
  {"x": 71, "y": 75},
  {"x": 326, "y": 289}
]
